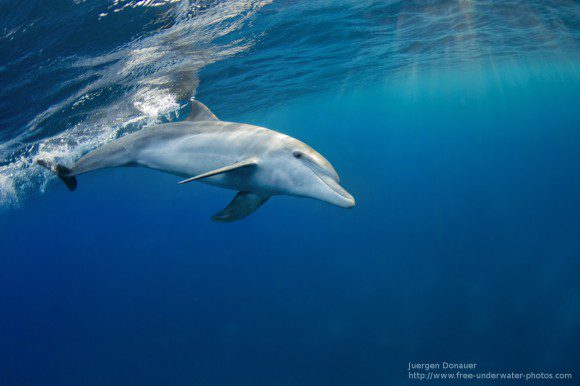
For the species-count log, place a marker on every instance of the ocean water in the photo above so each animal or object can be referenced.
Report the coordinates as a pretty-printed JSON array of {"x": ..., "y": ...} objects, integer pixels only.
[{"x": 454, "y": 124}]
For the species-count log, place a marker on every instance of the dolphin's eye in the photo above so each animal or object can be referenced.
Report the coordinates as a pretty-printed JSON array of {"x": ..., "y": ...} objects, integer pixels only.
[{"x": 297, "y": 154}]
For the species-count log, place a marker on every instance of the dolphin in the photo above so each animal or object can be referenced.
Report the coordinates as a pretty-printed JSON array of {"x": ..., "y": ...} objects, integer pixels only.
[{"x": 255, "y": 161}]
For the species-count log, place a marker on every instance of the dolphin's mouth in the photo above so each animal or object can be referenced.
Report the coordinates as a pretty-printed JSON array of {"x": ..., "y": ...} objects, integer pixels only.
[{"x": 342, "y": 198}]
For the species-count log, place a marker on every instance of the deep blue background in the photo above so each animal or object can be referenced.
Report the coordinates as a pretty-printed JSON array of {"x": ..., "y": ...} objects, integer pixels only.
[{"x": 464, "y": 246}]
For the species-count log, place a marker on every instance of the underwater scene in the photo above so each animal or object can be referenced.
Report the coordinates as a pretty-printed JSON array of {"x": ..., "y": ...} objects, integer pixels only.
[{"x": 373, "y": 192}]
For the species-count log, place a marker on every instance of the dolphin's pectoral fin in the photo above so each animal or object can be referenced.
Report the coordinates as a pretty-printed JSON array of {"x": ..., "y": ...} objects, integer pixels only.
[
  {"x": 243, "y": 204},
  {"x": 200, "y": 112},
  {"x": 237, "y": 165}
]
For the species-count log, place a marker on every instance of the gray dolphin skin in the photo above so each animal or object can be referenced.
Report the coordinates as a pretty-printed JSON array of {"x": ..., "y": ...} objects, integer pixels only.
[{"x": 255, "y": 161}]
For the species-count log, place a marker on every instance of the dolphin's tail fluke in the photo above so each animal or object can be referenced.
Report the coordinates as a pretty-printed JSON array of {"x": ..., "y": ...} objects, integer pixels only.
[{"x": 64, "y": 173}]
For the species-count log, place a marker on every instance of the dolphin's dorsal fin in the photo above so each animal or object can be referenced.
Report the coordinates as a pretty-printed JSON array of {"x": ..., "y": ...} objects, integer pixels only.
[
  {"x": 200, "y": 112},
  {"x": 243, "y": 204},
  {"x": 237, "y": 165}
]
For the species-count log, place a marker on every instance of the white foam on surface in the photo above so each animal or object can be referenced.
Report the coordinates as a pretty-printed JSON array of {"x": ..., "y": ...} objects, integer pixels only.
[{"x": 156, "y": 72}]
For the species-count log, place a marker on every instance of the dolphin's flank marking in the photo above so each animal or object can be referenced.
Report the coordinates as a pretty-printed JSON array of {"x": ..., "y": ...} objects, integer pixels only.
[{"x": 255, "y": 161}]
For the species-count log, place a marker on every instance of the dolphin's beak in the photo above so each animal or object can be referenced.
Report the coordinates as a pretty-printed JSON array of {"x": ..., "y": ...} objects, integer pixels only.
[{"x": 338, "y": 195}]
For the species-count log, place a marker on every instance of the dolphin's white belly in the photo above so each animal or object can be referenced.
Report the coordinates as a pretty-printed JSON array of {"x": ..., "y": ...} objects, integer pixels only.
[{"x": 193, "y": 154}]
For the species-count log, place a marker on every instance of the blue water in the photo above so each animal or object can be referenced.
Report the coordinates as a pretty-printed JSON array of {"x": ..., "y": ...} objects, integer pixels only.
[{"x": 455, "y": 125}]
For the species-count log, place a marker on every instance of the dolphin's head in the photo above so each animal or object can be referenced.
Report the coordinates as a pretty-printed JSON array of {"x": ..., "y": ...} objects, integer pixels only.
[{"x": 302, "y": 171}]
